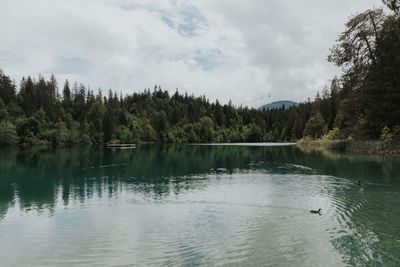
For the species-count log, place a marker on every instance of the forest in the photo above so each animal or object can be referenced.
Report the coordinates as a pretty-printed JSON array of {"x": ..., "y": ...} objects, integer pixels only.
[{"x": 362, "y": 104}]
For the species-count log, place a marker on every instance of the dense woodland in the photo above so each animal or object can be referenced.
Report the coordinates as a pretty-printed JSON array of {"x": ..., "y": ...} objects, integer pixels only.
[
  {"x": 38, "y": 113},
  {"x": 363, "y": 103}
]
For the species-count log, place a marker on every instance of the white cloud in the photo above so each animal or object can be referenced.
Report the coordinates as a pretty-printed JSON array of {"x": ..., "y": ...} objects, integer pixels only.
[{"x": 239, "y": 50}]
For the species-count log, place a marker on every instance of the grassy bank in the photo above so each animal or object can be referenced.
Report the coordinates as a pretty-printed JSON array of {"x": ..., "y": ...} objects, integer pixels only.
[{"x": 354, "y": 146}]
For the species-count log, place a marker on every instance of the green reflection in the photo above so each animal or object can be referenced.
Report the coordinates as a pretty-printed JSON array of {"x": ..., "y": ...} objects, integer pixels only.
[
  {"x": 361, "y": 221},
  {"x": 38, "y": 175}
]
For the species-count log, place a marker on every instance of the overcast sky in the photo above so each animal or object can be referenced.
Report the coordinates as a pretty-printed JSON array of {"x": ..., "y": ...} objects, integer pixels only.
[{"x": 252, "y": 52}]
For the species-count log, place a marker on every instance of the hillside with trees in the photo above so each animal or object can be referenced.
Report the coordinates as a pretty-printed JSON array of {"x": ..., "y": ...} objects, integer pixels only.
[
  {"x": 39, "y": 112},
  {"x": 362, "y": 104}
]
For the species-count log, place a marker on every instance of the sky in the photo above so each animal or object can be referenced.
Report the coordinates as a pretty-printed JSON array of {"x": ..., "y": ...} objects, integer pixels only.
[{"x": 251, "y": 52}]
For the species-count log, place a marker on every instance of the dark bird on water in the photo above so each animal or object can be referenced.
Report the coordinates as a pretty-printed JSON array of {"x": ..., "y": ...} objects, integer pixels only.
[
  {"x": 357, "y": 183},
  {"x": 316, "y": 211}
]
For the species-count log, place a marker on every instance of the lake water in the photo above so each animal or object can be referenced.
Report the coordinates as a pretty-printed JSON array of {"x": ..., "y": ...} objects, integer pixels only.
[{"x": 198, "y": 205}]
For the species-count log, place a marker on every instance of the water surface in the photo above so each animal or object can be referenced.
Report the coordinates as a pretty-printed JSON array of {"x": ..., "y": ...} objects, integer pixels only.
[{"x": 198, "y": 205}]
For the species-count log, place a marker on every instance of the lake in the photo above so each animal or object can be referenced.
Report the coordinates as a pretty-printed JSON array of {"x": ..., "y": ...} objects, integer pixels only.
[{"x": 177, "y": 205}]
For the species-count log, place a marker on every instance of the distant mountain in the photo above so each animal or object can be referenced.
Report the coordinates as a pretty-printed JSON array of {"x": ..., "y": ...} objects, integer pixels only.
[{"x": 278, "y": 104}]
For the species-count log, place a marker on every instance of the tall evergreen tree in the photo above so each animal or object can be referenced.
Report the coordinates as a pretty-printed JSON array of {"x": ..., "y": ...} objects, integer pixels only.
[{"x": 7, "y": 89}]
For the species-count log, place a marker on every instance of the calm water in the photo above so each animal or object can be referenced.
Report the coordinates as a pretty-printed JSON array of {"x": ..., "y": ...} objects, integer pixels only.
[{"x": 198, "y": 205}]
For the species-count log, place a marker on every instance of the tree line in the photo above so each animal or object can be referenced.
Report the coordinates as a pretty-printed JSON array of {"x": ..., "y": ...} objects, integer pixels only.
[
  {"x": 38, "y": 112},
  {"x": 363, "y": 103}
]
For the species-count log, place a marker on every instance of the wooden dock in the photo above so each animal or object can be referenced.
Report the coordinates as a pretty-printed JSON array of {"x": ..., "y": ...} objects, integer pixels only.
[{"x": 121, "y": 146}]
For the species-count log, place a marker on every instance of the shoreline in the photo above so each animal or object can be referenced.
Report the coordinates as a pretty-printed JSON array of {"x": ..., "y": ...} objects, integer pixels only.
[{"x": 349, "y": 145}]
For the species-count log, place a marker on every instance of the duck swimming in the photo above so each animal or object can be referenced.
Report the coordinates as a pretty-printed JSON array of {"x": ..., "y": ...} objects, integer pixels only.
[
  {"x": 316, "y": 211},
  {"x": 357, "y": 183}
]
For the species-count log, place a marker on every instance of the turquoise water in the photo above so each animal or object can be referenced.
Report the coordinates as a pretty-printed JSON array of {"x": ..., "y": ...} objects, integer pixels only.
[{"x": 198, "y": 205}]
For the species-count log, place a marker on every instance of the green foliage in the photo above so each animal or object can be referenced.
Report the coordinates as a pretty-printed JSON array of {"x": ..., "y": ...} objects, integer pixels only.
[
  {"x": 190, "y": 131},
  {"x": 254, "y": 133},
  {"x": 382, "y": 90},
  {"x": 354, "y": 50},
  {"x": 27, "y": 127},
  {"x": 62, "y": 134},
  {"x": 96, "y": 117},
  {"x": 396, "y": 135},
  {"x": 333, "y": 134},
  {"x": 85, "y": 139},
  {"x": 159, "y": 121},
  {"x": 15, "y": 111},
  {"x": 7, "y": 89},
  {"x": 124, "y": 135},
  {"x": 368, "y": 99},
  {"x": 8, "y": 134},
  {"x": 206, "y": 129},
  {"x": 386, "y": 135},
  {"x": 315, "y": 126},
  {"x": 149, "y": 135},
  {"x": 3, "y": 111}
]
